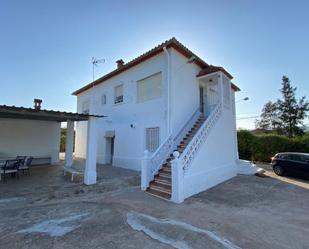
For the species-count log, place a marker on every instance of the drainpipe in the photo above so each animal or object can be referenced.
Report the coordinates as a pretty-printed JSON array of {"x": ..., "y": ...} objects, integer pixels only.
[{"x": 168, "y": 91}]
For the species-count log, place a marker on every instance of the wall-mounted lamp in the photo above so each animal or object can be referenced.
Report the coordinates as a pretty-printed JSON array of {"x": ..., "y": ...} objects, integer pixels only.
[{"x": 244, "y": 99}]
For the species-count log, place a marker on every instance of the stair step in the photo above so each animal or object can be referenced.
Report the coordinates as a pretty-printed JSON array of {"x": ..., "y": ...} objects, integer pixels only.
[
  {"x": 165, "y": 174},
  {"x": 160, "y": 194},
  {"x": 163, "y": 178},
  {"x": 165, "y": 169},
  {"x": 163, "y": 182},
  {"x": 160, "y": 189},
  {"x": 159, "y": 185},
  {"x": 168, "y": 165}
]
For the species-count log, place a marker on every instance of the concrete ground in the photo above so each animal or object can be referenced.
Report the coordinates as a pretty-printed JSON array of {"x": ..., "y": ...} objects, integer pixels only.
[{"x": 44, "y": 210}]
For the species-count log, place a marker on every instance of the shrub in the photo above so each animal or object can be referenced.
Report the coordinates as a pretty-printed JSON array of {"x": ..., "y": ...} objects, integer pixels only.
[{"x": 262, "y": 147}]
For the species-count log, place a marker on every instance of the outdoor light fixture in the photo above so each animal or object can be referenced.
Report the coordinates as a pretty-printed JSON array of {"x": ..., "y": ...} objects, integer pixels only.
[{"x": 244, "y": 99}]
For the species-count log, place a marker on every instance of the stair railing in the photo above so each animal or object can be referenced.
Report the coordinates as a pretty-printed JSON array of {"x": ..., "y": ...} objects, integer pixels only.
[
  {"x": 161, "y": 154},
  {"x": 152, "y": 163},
  {"x": 200, "y": 137},
  {"x": 187, "y": 127}
]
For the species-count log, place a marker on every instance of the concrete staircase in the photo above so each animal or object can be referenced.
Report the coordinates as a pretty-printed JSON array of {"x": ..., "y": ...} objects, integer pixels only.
[{"x": 161, "y": 186}]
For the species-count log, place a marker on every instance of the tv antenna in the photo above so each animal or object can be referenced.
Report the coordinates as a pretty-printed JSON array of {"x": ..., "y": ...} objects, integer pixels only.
[{"x": 95, "y": 63}]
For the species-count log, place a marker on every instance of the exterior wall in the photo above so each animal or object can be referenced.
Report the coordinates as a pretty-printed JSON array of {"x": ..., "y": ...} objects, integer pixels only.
[
  {"x": 29, "y": 138},
  {"x": 184, "y": 90},
  {"x": 129, "y": 143},
  {"x": 216, "y": 160}
]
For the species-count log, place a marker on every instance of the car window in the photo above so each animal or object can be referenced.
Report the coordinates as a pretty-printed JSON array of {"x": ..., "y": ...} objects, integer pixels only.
[
  {"x": 285, "y": 156},
  {"x": 298, "y": 158}
]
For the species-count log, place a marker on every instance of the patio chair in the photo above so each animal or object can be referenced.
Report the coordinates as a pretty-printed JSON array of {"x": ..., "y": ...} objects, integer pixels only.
[
  {"x": 22, "y": 159},
  {"x": 26, "y": 165},
  {"x": 10, "y": 167}
]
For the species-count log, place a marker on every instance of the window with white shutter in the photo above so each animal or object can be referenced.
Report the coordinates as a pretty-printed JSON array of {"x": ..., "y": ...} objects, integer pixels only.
[
  {"x": 118, "y": 94},
  {"x": 149, "y": 88},
  {"x": 85, "y": 107},
  {"x": 152, "y": 139}
]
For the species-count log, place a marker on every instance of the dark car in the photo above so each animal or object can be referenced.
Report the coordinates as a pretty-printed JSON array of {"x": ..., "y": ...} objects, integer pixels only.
[{"x": 290, "y": 163}]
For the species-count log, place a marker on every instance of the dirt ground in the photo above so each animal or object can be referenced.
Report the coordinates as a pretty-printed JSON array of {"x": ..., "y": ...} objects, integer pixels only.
[{"x": 46, "y": 210}]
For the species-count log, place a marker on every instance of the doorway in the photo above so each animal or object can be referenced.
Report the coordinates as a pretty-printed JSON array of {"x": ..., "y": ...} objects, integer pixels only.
[{"x": 109, "y": 146}]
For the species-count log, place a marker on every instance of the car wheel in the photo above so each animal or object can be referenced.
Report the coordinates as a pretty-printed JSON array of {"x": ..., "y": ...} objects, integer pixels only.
[{"x": 278, "y": 170}]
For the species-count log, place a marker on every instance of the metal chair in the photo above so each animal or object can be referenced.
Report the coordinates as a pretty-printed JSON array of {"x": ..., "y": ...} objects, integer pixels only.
[
  {"x": 26, "y": 165},
  {"x": 22, "y": 159},
  {"x": 10, "y": 166}
]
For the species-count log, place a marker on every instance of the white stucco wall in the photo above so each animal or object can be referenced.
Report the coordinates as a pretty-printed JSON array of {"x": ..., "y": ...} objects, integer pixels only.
[
  {"x": 129, "y": 142},
  {"x": 216, "y": 160},
  {"x": 29, "y": 138},
  {"x": 184, "y": 90}
]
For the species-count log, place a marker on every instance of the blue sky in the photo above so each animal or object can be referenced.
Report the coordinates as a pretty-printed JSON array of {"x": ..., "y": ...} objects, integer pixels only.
[{"x": 46, "y": 46}]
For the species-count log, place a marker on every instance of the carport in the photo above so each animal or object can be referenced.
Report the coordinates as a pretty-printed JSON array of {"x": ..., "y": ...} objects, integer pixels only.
[{"x": 32, "y": 131}]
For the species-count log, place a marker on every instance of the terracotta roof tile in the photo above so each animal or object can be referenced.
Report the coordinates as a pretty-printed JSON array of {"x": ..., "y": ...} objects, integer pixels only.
[{"x": 172, "y": 43}]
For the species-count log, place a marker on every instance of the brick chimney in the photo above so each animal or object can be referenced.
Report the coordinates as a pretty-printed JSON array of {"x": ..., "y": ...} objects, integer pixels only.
[
  {"x": 120, "y": 63},
  {"x": 37, "y": 104}
]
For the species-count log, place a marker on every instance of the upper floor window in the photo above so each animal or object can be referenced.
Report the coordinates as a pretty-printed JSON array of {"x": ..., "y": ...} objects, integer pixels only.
[
  {"x": 103, "y": 99},
  {"x": 85, "y": 107},
  {"x": 149, "y": 88},
  {"x": 118, "y": 94}
]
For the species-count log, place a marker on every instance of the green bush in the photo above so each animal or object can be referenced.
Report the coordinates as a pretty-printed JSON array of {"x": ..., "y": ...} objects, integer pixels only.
[{"x": 262, "y": 147}]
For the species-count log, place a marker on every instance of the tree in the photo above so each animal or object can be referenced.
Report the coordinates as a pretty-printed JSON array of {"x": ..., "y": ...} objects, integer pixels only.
[
  {"x": 269, "y": 117},
  {"x": 286, "y": 115},
  {"x": 291, "y": 112}
]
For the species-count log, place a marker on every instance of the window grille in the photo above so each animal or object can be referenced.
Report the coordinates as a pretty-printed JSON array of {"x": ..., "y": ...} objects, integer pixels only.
[{"x": 152, "y": 139}]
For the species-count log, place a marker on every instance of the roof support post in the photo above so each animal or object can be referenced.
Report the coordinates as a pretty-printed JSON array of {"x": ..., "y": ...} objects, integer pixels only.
[
  {"x": 90, "y": 175},
  {"x": 56, "y": 143},
  {"x": 69, "y": 144}
]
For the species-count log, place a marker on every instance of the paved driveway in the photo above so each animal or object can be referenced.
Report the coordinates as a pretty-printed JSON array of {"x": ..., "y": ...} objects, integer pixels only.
[{"x": 245, "y": 212}]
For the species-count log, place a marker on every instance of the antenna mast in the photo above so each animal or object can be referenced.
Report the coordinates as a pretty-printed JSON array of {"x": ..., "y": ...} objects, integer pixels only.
[{"x": 95, "y": 62}]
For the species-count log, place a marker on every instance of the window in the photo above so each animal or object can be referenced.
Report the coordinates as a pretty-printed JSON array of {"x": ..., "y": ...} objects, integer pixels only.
[
  {"x": 152, "y": 138},
  {"x": 103, "y": 99},
  {"x": 149, "y": 88},
  {"x": 118, "y": 94},
  {"x": 226, "y": 92},
  {"x": 85, "y": 107}
]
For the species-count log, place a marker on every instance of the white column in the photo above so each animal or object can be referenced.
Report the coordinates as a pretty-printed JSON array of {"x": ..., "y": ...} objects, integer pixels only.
[
  {"x": 90, "y": 175},
  {"x": 221, "y": 87},
  {"x": 177, "y": 179},
  {"x": 69, "y": 144},
  {"x": 56, "y": 137},
  {"x": 146, "y": 171}
]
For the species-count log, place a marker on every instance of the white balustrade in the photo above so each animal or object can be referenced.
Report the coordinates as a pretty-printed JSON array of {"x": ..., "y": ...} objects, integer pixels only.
[
  {"x": 199, "y": 139},
  {"x": 161, "y": 154}
]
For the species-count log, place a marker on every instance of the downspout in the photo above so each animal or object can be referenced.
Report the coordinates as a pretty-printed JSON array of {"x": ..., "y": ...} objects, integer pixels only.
[{"x": 168, "y": 91}]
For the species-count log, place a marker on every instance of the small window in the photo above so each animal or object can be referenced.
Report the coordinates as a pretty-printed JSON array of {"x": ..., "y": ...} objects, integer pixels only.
[
  {"x": 149, "y": 88},
  {"x": 152, "y": 138},
  {"x": 85, "y": 107},
  {"x": 103, "y": 99},
  {"x": 118, "y": 94}
]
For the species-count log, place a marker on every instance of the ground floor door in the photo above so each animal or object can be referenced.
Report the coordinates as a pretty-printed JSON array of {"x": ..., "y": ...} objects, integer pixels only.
[{"x": 109, "y": 146}]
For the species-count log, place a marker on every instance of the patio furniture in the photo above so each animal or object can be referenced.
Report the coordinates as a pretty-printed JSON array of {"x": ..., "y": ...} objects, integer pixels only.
[
  {"x": 26, "y": 165},
  {"x": 10, "y": 167},
  {"x": 72, "y": 171},
  {"x": 22, "y": 159}
]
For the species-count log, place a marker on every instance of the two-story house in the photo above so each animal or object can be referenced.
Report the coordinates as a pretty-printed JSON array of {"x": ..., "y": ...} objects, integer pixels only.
[{"x": 170, "y": 115}]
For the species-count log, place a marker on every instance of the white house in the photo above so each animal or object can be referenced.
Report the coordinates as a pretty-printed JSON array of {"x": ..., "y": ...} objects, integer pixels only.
[{"x": 170, "y": 115}]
